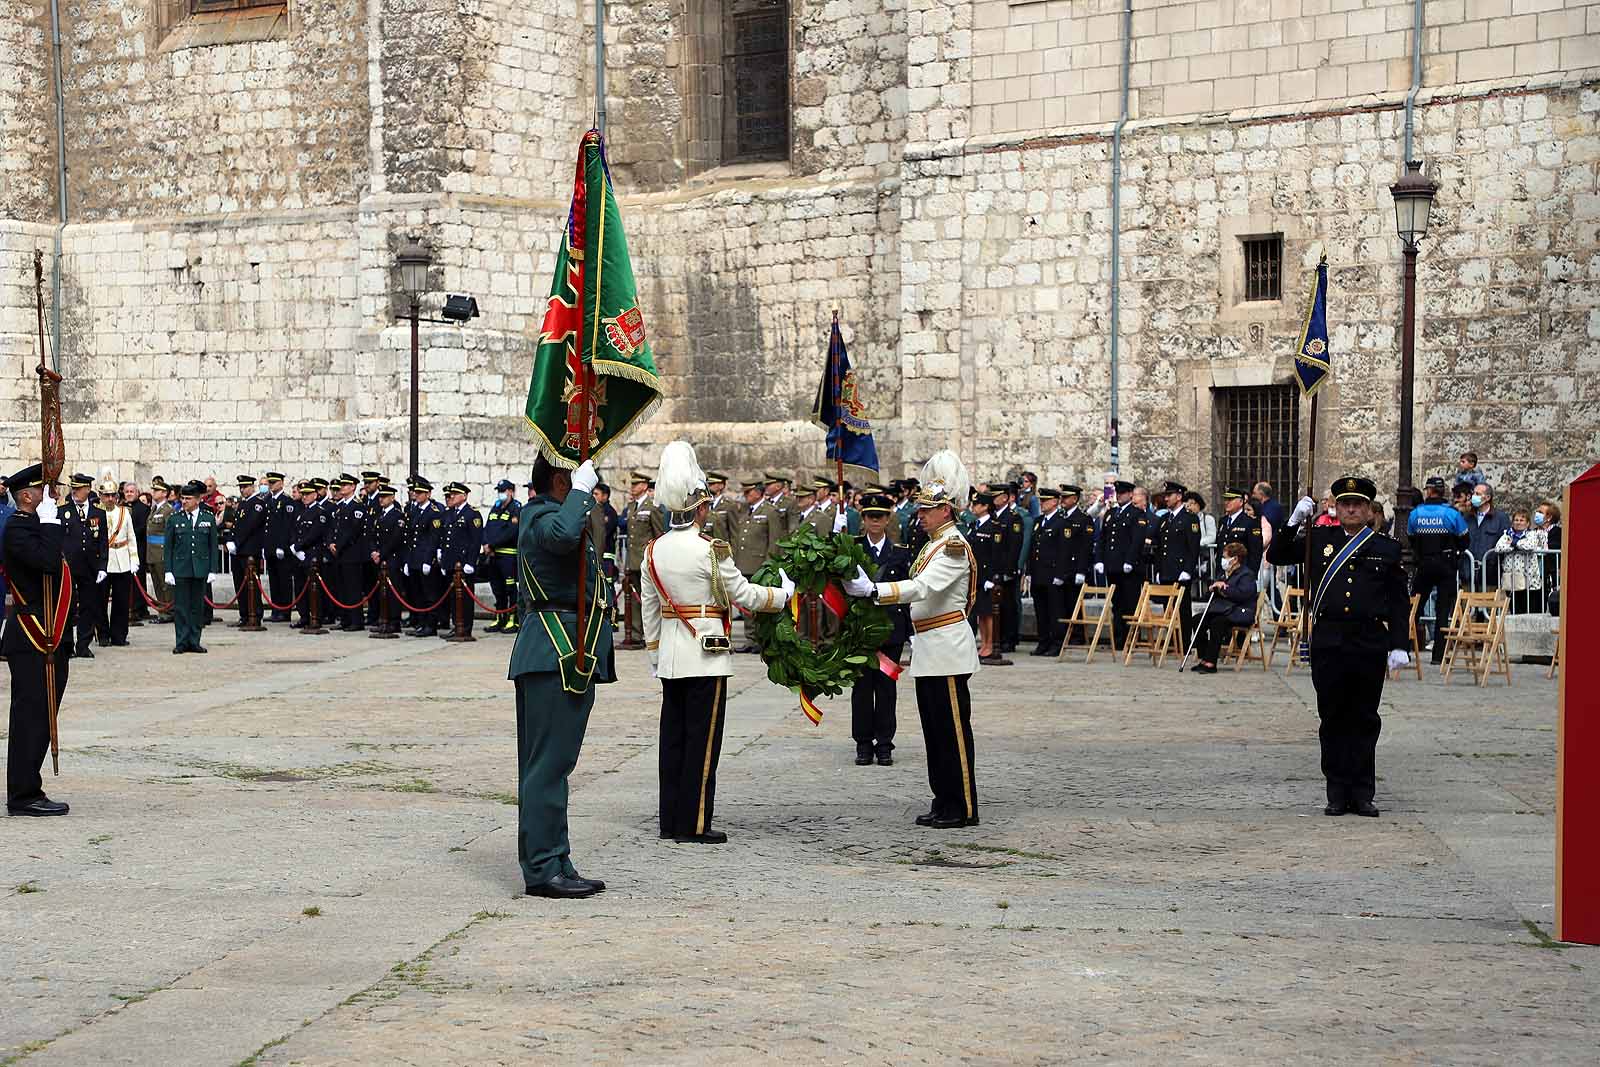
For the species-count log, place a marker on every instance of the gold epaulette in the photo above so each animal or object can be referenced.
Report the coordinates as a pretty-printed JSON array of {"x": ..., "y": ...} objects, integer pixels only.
[
  {"x": 721, "y": 549},
  {"x": 956, "y": 548}
]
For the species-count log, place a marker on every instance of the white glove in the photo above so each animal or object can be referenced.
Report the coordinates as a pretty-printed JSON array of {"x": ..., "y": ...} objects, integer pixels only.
[
  {"x": 466, "y": 568},
  {"x": 1302, "y": 511},
  {"x": 840, "y": 522},
  {"x": 785, "y": 583},
  {"x": 278, "y": 552},
  {"x": 427, "y": 568},
  {"x": 405, "y": 569},
  {"x": 653, "y": 667},
  {"x": 438, "y": 554},
  {"x": 585, "y": 478},
  {"x": 987, "y": 586},
  {"x": 1063, "y": 581},
  {"x": 100, "y": 577},
  {"x": 300, "y": 555},
  {"x": 860, "y": 585},
  {"x": 213, "y": 578},
  {"x": 233, "y": 548},
  {"x": 1399, "y": 658},
  {"x": 1183, "y": 576},
  {"x": 48, "y": 513},
  {"x": 1077, "y": 579},
  {"x": 1127, "y": 568},
  {"x": 170, "y": 579},
  {"x": 1099, "y": 568}
]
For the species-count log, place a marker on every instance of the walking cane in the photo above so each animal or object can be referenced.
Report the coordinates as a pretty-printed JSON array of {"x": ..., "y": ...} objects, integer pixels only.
[{"x": 1196, "y": 635}]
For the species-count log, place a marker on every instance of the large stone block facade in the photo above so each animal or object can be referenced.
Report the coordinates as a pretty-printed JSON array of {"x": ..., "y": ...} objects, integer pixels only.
[{"x": 237, "y": 190}]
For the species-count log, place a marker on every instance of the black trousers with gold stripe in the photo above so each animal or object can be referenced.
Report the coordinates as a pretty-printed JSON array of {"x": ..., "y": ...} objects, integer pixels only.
[
  {"x": 692, "y": 711},
  {"x": 946, "y": 710},
  {"x": 29, "y": 736}
]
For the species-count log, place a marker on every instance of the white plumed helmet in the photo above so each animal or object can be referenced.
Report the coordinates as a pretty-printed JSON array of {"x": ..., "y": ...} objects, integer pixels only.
[
  {"x": 680, "y": 483},
  {"x": 944, "y": 480}
]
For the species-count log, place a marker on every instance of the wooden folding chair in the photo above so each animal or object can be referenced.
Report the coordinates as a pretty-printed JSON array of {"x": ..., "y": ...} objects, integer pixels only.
[
  {"x": 1100, "y": 621},
  {"x": 1154, "y": 628},
  {"x": 1555, "y": 657},
  {"x": 1416, "y": 643},
  {"x": 1287, "y": 626},
  {"x": 1464, "y": 637},
  {"x": 1249, "y": 643},
  {"x": 1496, "y": 657}
]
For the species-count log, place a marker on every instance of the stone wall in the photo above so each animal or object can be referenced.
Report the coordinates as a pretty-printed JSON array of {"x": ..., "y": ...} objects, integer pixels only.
[{"x": 27, "y": 113}]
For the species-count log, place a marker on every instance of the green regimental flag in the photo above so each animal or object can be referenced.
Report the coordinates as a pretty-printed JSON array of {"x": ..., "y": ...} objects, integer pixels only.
[{"x": 593, "y": 374}]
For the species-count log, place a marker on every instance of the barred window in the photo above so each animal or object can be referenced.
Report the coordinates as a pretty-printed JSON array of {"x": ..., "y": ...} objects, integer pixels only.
[
  {"x": 200, "y": 7},
  {"x": 755, "y": 38},
  {"x": 1263, "y": 267},
  {"x": 1256, "y": 437}
]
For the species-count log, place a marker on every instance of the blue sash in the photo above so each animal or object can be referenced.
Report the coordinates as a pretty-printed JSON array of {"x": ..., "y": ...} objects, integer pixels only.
[{"x": 1344, "y": 555}]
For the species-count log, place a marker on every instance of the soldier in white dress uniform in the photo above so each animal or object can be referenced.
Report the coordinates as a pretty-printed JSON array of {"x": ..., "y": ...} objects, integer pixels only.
[
  {"x": 688, "y": 587},
  {"x": 944, "y": 654}
]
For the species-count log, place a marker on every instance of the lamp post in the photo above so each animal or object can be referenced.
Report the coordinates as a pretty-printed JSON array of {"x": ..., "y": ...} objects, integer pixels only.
[
  {"x": 413, "y": 261},
  {"x": 1413, "y": 200}
]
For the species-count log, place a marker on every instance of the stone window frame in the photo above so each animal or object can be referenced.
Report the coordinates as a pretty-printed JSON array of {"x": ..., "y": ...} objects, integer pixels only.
[
  {"x": 702, "y": 80},
  {"x": 1231, "y": 235},
  {"x": 183, "y": 24}
]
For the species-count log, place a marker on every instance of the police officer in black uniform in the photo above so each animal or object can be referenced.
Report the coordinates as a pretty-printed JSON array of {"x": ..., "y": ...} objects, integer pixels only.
[
  {"x": 1047, "y": 572},
  {"x": 1360, "y": 609},
  {"x": 31, "y": 550},
  {"x": 1237, "y": 525},
  {"x": 388, "y": 541},
  {"x": 1439, "y": 539},
  {"x": 310, "y": 534},
  {"x": 249, "y": 537},
  {"x": 347, "y": 553},
  {"x": 500, "y": 544},
  {"x": 371, "y": 482},
  {"x": 1178, "y": 553},
  {"x": 1078, "y": 538},
  {"x": 872, "y": 698},
  {"x": 421, "y": 565},
  {"x": 283, "y": 513},
  {"x": 1122, "y": 552},
  {"x": 84, "y": 546},
  {"x": 988, "y": 541},
  {"x": 460, "y": 541},
  {"x": 1015, "y": 536}
]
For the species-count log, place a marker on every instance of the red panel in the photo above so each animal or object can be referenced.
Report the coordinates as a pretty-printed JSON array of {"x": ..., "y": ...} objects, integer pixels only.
[{"x": 1578, "y": 732}]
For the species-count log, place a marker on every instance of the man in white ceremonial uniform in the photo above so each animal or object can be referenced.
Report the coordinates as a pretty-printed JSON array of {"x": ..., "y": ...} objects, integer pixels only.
[
  {"x": 944, "y": 653},
  {"x": 688, "y": 586}
]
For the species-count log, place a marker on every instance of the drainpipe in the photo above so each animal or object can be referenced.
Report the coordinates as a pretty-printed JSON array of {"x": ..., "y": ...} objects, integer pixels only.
[
  {"x": 61, "y": 187},
  {"x": 1416, "y": 72},
  {"x": 1116, "y": 227}
]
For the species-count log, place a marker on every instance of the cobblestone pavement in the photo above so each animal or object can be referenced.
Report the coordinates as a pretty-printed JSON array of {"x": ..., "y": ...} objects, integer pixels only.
[{"x": 302, "y": 850}]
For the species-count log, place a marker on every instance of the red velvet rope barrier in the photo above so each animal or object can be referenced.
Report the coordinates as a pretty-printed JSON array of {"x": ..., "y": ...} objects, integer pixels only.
[
  {"x": 265, "y": 599},
  {"x": 161, "y": 609},
  {"x": 422, "y": 611},
  {"x": 485, "y": 607},
  {"x": 347, "y": 607}
]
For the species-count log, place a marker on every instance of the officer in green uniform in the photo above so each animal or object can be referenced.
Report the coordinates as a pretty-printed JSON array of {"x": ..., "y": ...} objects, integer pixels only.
[
  {"x": 555, "y": 696},
  {"x": 191, "y": 546}
]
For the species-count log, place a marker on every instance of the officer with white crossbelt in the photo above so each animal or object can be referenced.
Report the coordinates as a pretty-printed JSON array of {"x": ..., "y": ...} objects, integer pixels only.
[
  {"x": 944, "y": 653},
  {"x": 688, "y": 586}
]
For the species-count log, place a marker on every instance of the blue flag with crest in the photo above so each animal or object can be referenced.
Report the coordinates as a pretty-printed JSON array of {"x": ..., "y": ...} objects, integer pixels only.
[
  {"x": 839, "y": 410},
  {"x": 1312, "y": 360}
]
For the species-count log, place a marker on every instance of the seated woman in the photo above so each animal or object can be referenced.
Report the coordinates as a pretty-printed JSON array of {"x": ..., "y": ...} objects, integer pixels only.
[{"x": 1233, "y": 603}]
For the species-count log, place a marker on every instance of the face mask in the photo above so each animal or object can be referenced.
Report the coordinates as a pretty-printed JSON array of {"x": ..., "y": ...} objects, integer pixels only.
[
  {"x": 1538, "y": 519},
  {"x": 1333, "y": 512},
  {"x": 1477, "y": 501},
  {"x": 505, "y": 498}
]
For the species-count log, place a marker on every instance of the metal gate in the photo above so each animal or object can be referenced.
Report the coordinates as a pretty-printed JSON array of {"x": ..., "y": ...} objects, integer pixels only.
[{"x": 1256, "y": 437}]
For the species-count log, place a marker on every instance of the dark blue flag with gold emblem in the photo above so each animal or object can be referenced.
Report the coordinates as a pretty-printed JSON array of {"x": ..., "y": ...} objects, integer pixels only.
[
  {"x": 1312, "y": 360},
  {"x": 839, "y": 410}
]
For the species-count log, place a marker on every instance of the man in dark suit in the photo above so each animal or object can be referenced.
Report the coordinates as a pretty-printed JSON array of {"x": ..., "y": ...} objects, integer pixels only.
[
  {"x": 85, "y": 548},
  {"x": 1360, "y": 608},
  {"x": 872, "y": 698},
  {"x": 31, "y": 551},
  {"x": 1122, "y": 552}
]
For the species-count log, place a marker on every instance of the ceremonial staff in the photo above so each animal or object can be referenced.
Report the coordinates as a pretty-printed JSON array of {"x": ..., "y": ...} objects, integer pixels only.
[{"x": 52, "y": 457}]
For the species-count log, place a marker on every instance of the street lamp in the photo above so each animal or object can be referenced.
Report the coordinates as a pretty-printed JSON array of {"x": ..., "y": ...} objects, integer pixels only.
[
  {"x": 413, "y": 261},
  {"x": 1413, "y": 200}
]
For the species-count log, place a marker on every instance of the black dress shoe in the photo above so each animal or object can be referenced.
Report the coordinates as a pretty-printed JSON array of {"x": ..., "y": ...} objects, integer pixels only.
[
  {"x": 599, "y": 886},
  {"x": 119, "y": 644},
  {"x": 1335, "y": 809},
  {"x": 199, "y": 648},
  {"x": 710, "y": 837},
  {"x": 1364, "y": 807},
  {"x": 886, "y": 761},
  {"x": 297, "y": 625},
  {"x": 951, "y": 822},
  {"x": 41, "y": 806},
  {"x": 562, "y": 887},
  {"x": 83, "y": 653},
  {"x": 179, "y": 651},
  {"x": 863, "y": 759},
  {"x": 926, "y": 818}
]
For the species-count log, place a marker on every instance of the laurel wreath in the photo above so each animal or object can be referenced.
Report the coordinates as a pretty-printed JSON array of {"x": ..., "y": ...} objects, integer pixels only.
[{"x": 831, "y": 667}]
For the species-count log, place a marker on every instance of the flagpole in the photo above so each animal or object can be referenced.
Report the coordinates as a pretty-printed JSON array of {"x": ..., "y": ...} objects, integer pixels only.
[
  {"x": 1311, "y": 483},
  {"x": 600, "y": 65},
  {"x": 838, "y": 412}
]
